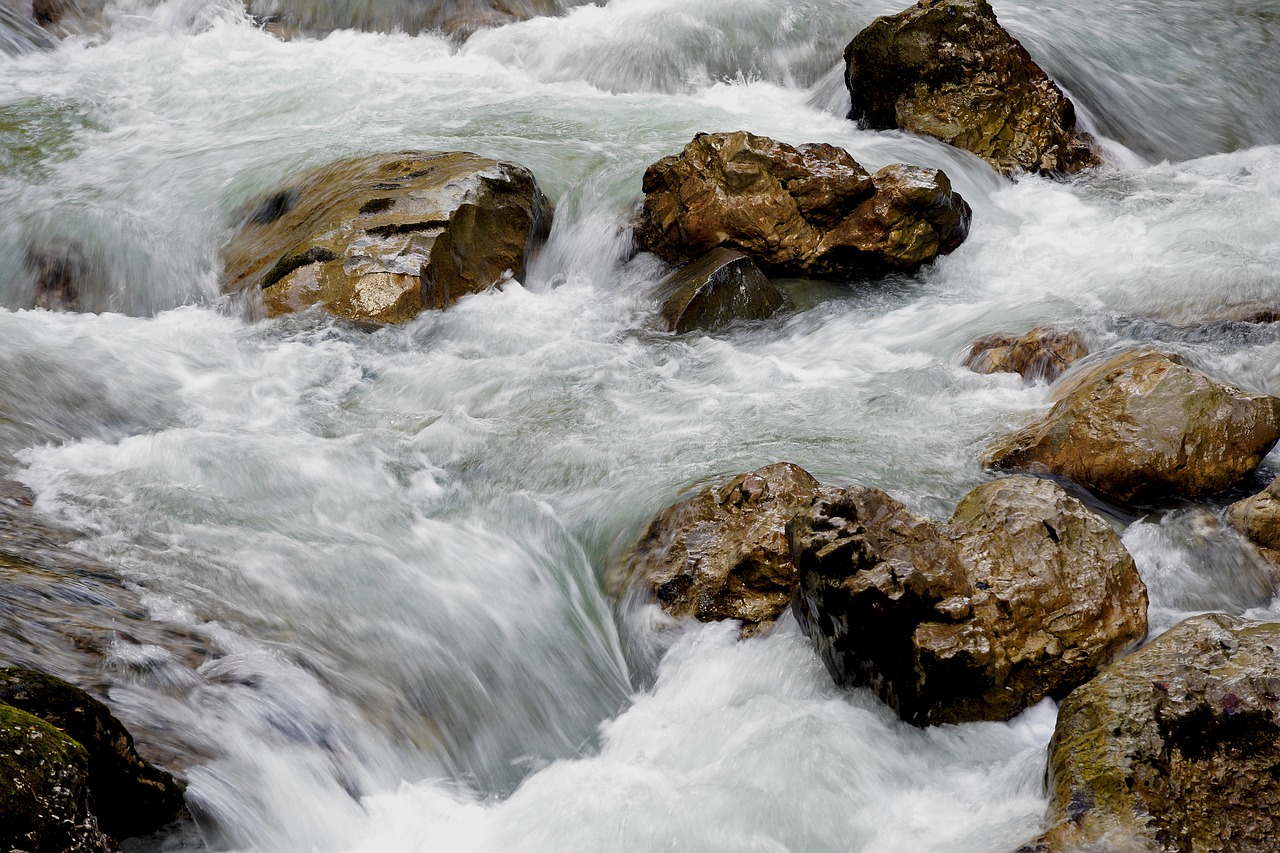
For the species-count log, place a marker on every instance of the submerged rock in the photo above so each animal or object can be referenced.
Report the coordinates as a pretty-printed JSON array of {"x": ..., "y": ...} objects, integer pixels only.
[
  {"x": 1143, "y": 425},
  {"x": 723, "y": 553},
  {"x": 1039, "y": 354},
  {"x": 64, "y": 17},
  {"x": 130, "y": 796},
  {"x": 717, "y": 288},
  {"x": 1174, "y": 748},
  {"x": 44, "y": 789},
  {"x": 452, "y": 17},
  {"x": 381, "y": 238},
  {"x": 810, "y": 210},
  {"x": 947, "y": 69},
  {"x": 1258, "y": 518},
  {"x": 1024, "y": 594}
]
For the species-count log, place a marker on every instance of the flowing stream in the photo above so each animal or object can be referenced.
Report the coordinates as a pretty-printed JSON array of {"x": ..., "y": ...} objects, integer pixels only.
[{"x": 391, "y": 544}]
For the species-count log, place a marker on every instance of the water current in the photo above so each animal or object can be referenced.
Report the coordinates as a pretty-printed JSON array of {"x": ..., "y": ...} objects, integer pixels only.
[{"x": 391, "y": 544}]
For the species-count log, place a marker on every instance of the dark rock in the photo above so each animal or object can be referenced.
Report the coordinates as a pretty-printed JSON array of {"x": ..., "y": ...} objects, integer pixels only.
[
  {"x": 130, "y": 796},
  {"x": 59, "y": 271},
  {"x": 43, "y": 789},
  {"x": 380, "y": 238},
  {"x": 1143, "y": 425},
  {"x": 1174, "y": 748},
  {"x": 1039, "y": 354},
  {"x": 67, "y": 16},
  {"x": 947, "y": 69},
  {"x": 810, "y": 210},
  {"x": 721, "y": 286},
  {"x": 1023, "y": 594},
  {"x": 723, "y": 553}
]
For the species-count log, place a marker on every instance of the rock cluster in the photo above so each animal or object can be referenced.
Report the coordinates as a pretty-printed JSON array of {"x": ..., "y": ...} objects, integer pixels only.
[
  {"x": 1023, "y": 594},
  {"x": 381, "y": 238},
  {"x": 810, "y": 210},
  {"x": 1039, "y": 354},
  {"x": 1144, "y": 425},
  {"x": 947, "y": 69},
  {"x": 1174, "y": 748}
]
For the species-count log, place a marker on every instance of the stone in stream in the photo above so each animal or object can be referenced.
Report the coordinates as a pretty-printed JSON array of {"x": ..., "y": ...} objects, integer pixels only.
[
  {"x": 947, "y": 69},
  {"x": 381, "y": 238},
  {"x": 1039, "y": 354},
  {"x": 717, "y": 288},
  {"x": 1257, "y": 517},
  {"x": 130, "y": 796},
  {"x": 44, "y": 796},
  {"x": 810, "y": 210},
  {"x": 64, "y": 17},
  {"x": 723, "y": 553},
  {"x": 1174, "y": 748},
  {"x": 458, "y": 18},
  {"x": 1144, "y": 425},
  {"x": 1023, "y": 594}
]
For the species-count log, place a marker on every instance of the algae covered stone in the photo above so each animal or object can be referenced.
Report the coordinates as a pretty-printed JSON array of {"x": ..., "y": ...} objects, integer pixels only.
[
  {"x": 947, "y": 69},
  {"x": 381, "y": 238}
]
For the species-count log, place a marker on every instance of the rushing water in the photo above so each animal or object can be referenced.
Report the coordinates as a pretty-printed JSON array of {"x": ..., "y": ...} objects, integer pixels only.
[{"x": 392, "y": 543}]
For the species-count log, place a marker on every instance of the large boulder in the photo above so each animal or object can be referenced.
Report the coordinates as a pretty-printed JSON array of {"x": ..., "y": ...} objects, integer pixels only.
[
  {"x": 1144, "y": 425},
  {"x": 716, "y": 289},
  {"x": 947, "y": 69},
  {"x": 44, "y": 794},
  {"x": 1039, "y": 354},
  {"x": 453, "y": 17},
  {"x": 723, "y": 553},
  {"x": 380, "y": 238},
  {"x": 1174, "y": 748},
  {"x": 810, "y": 210},
  {"x": 1257, "y": 517},
  {"x": 130, "y": 796},
  {"x": 1024, "y": 594}
]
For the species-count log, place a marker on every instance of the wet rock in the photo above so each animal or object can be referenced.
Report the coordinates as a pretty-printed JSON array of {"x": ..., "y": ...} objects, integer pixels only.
[
  {"x": 1039, "y": 354},
  {"x": 43, "y": 789},
  {"x": 723, "y": 554},
  {"x": 721, "y": 286},
  {"x": 1143, "y": 425},
  {"x": 1173, "y": 748},
  {"x": 1258, "y": 518},
  {"x": 1024, "y": 594},
  {"x": 452, "y": 17},
  {"x": 381, "y": 238},
  {"x": 59, "y": 271},
  {"x": 810, "y": 210},
  {"x": 64, "y": 17},
  {"x": 130, "y": 796},
  {"x": 947, "y": 69}
]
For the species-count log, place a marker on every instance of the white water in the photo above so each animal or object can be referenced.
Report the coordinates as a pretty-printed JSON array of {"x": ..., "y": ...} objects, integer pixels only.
[{"x": 394, "y": 542}]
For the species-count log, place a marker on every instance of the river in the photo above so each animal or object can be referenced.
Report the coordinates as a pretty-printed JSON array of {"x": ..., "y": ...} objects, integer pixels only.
[{"x": 392, "y": 543}]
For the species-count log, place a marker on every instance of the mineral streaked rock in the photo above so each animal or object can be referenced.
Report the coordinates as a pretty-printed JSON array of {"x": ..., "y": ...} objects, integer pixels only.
[
  {"x": 719, "y": 287},
  {"x": 1143, "y": 425},
  {"x": 1174, "y": 748},
  {"x": 810, "y": 210},
  {"x": 1024, "y": 594},
  {"x": 723, "y": 553},
  {"x": 1039, "y": 354},
  {"x": 380, "y": 238},
  {"x": 947, "y": 69}
]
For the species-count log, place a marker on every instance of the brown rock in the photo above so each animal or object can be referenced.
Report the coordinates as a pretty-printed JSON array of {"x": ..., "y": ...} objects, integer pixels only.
[
  {"x": 1039, "y": 354},
  {"x": 810, "y": 210},
  {"x": 947, "y": 69},
  {"x": 721, "y": 286},
  {"x": 1023, "y": 594},
  {"x": 1143, "y": 425},
  {"x": 380, "y": 238},
  {"x": 723, "y": 553},
  {"x": 1174, "y": 748},
  {"x": 1258, "y": 518}
]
